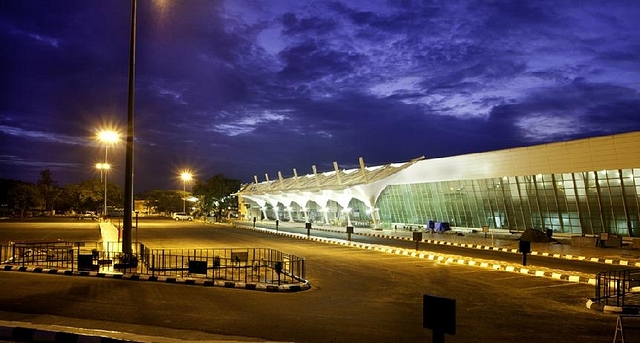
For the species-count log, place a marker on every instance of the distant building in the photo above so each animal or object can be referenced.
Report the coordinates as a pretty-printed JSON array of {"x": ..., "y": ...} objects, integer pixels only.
[{"x": 585, "y": 186}]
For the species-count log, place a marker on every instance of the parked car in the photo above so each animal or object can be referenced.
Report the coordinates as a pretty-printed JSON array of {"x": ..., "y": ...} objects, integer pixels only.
[
  {"x": 87, "y": 215},
  {"x": 181, "y": 216}
]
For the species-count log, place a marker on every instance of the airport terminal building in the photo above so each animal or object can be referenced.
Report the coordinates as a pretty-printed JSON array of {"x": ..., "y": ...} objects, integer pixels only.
[{"x": 587, "y": 186}]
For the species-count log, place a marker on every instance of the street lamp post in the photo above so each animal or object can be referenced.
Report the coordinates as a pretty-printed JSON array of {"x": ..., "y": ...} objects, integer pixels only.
[
  {"x": 185, "y": 177},
  {"x": 128, "y": 181},
  {"x": 104, "y": 168},
  {"x": 107, "y": 137}
]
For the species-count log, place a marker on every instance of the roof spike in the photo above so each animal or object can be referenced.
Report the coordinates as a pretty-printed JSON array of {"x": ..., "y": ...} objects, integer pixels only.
[
  {"x": 266, "y": 176},
  {"x": 335, "y": 167},
  {"x": 315, "y": 174},
  {"x": 280, "y": 178},
  {"x": 295, "y": 177},
  {"x": 255, "y": 178},
  {"x": 363, "y": 168}
]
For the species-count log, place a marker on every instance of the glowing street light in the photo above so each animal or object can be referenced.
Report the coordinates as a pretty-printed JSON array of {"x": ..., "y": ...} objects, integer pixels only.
[
  {"x": 103, "y": 166},
  {"x": 107, "y": 137},
  {"x": 185, "y": 176}
]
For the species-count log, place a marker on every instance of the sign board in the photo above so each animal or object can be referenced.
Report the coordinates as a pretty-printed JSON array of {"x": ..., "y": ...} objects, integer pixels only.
[
  {"x": 417, "y": 236},
  {"x": 239, "y": 257},
  {"x": 525, "y": 247},
  {"x": 349, "y": 229},
  {"x": 85, "y": 262},
  {"x": 485, "y": 229},
  {"x": 197, "y": 267},
  {"x": 439, "y": 314}
]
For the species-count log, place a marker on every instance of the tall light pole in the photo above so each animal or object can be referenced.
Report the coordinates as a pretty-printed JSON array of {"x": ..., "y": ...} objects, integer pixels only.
[
  {"x": 128, "y": 182},
  {"x": 107, "y": 137},
  {"x": 185, "y": 177},
  {"x": 104, "y": 168}
]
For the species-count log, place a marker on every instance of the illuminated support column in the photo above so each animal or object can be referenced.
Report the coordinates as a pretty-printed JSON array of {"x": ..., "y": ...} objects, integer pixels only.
[
  {"x": 325, "y": 214},
  {"x": 347, "y": 211},
  {"x": 374, "y": 216},
  {"x": 262, "y": 203},
  {"x": 274, "y": 204},
  {"x": 343, "y": 200},
  {"x": 289, "y": 213},
  {"x": 306, "y": 215}
]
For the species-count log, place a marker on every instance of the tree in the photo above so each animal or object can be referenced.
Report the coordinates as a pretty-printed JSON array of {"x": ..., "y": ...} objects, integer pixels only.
[
  {"x": 115, "y": 195},
  {"x": 87, "y": 195},
  {"x": 24, "y": 196},
  {"x": 215, "y": 195},
  {"x": 49, "y": 190},
  {"x": 162, "y": 201}
]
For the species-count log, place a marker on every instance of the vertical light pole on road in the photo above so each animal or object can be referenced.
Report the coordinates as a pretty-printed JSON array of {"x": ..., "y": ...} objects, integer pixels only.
[
  {"x": 104, "y": 168},
  {"x": 107, "y": 137},
  {"x": 185, "y": 177},
  {"x": 128, "y": 182}
]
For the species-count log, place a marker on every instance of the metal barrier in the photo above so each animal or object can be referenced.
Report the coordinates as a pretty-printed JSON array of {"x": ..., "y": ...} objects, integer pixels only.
[
  {"x": 238, "y": 264},
  {"x": 51, "y": 255},
  {"x": 615, "y": 287},
  {"x": 249, "y": 265}
]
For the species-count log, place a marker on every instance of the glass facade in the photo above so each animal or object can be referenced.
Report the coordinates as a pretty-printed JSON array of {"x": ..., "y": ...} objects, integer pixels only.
[{"x": 577, "y": 203}]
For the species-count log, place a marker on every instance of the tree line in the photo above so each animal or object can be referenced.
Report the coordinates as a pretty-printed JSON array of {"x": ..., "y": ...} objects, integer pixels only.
[{"x": 45, "y": 197}]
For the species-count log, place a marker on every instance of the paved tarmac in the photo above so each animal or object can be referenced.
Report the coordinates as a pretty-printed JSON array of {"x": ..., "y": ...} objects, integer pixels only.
[
  {"x": 499, "y": 240},
  {"x": 628, "y": 254}
]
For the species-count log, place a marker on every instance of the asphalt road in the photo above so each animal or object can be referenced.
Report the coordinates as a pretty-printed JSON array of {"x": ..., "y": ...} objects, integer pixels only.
[{"x": 357, "y": 296}]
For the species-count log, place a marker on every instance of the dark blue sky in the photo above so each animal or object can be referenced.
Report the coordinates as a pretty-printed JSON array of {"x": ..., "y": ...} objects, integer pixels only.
[{"x": 246, "y": 88}]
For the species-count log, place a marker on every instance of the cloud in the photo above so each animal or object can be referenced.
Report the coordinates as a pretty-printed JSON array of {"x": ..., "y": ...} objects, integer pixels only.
[
  {"x": 249, "y": 121},
  {"x": 19, "y": 161},
  {"x": 42, "y": 136},
  {"x": 50, "y": 41},
  {"x": 227, "y": 84}
]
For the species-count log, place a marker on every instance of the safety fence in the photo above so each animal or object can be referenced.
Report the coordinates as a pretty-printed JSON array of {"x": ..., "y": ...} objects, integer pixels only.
[
  {"x": 618, "y": 288},
  {"x": 249, "y": 265},
  {"x": 238, "y": 264},
  {"x": 48, "y": 254}
]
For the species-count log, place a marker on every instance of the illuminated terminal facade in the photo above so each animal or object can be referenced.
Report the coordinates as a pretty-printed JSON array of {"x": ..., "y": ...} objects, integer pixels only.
[{"x": 587, "y": 186}]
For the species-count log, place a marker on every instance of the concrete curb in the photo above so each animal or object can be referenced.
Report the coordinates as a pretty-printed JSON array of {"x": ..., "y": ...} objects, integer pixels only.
[
  {"x": 511, "y": 250},
  {"x": 611, "y": 309},
  {"x": 24, "y": 334},
  {"x": 188, "y": 281}
]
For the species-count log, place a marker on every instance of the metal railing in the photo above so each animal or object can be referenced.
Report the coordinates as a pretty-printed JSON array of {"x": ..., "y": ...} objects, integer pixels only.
[
  {"x": 51, "y": 255},
  {"x": 238, "y": 264},
  {"x": 249, "y": 265},
  {"x": 615, "y": 287}
]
